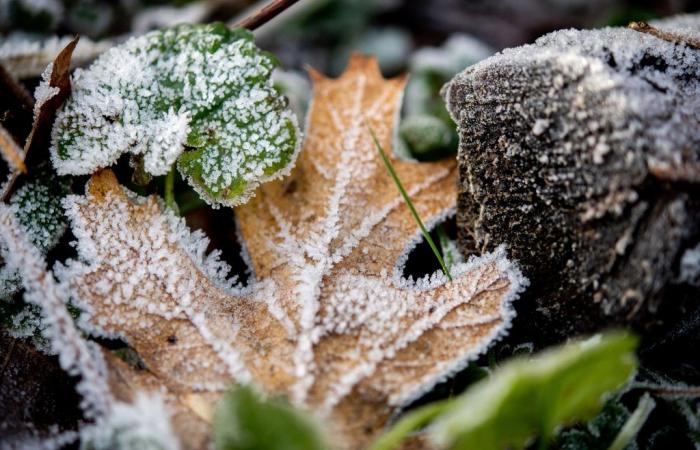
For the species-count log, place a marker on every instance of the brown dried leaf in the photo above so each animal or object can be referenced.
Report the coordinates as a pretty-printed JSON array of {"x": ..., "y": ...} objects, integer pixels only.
[
  {"x": 45, "y": 109},
  {"x": 328, "y": 320}
]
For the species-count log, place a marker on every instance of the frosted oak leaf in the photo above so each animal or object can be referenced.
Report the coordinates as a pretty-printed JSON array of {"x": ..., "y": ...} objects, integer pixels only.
[
  {"x": 327, "y": 320},
  {"x": 200, "y": 95}
]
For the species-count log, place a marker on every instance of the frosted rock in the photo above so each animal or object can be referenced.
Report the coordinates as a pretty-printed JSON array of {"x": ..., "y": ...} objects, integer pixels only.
[{"x": 564, "y": 146}]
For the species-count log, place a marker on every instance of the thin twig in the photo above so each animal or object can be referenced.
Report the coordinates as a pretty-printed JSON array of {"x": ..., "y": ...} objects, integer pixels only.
[
  {"x": 674, "y": 38},
  {"x": 265, "y": 14},
  {"x": 676, "y": 391}
]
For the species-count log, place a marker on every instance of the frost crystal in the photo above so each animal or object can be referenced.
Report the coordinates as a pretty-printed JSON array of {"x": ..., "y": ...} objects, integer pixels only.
[
  {"x": 25, "y": 56},
  {"x": 76, "y": 356},
  {"x": 201, "y": 94},
  {"x": 141, "y": 425},
  {"x": 325, "y": 320},
  {"x": 37, "y": 207},
  {"x": 44, "y": 91}
]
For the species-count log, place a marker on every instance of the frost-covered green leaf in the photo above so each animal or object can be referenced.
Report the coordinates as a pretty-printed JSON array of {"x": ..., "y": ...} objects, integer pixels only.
[
  {"x": 245, "y": 421},
  {"x": 200, "y": 95},
  {"x": 536, "y": 396},
  {"x": 37, "y": 207}
]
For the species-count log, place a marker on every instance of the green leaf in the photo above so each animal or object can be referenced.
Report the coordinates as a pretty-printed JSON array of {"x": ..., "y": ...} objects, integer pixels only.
[
  {"x": 37, "y": 207},
  {"x": 200, "y": 95},
  {"x": 245, "y": 421},
  {"x": 536, "y": 396},
  {"x": 427, "y": 136}
]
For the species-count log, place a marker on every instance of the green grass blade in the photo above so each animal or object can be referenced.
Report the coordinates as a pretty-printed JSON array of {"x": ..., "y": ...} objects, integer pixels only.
[{"x": 408, "y": 201}]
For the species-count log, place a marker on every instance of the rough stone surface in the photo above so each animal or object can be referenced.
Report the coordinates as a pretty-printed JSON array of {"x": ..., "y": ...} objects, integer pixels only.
[{"x": 581, "y": 152}]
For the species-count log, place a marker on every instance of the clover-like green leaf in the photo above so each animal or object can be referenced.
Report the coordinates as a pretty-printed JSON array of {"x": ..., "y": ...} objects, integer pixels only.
[
  {"x": 245, "y": 421},
  {"x": 200, "y": 95}
]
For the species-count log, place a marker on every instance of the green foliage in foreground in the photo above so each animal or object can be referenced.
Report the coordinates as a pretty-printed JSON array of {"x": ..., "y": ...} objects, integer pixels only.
[
  {"x": 526, "y": 397},
  {"x": 245, "y": 421},
  {"x": 523, "y": 399}
]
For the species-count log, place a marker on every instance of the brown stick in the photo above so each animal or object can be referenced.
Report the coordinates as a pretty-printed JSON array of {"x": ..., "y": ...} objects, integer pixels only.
[
  {"x": 265, "y": 14},
  {"x": 644, "y": 27}
]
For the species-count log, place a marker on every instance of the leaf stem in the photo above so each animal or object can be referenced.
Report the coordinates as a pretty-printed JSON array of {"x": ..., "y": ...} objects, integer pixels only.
[
  {"x": 170, "y": 188},
  {"x": 634, "y": 423},
  {"x": 407, "y": 199},
  {"x": 265, "y": 14}
]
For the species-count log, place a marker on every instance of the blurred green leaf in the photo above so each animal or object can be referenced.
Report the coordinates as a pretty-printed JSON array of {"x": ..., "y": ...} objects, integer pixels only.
[
  {"x": 245, "y": 421},
  {"x": 427, "y": 136},
  {"x": 530, "y": 397}
]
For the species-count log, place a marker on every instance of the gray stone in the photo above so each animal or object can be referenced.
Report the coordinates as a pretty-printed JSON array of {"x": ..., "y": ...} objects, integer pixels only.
[{"x": 581, "y": 153}]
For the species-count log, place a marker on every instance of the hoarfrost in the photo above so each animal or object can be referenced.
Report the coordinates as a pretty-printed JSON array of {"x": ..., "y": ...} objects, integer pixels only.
[
  {"x": 76, "y": 356},
  {"x": 26, "y": 56},
  {"x": 690, "y": 266},
  {"x": 325, "y": 320},
  {"x": 37, "y": 207},
  {"x": 200, "y": 94},
  {"x": 44, "y": 91},
  {"x": 143, "y": 424}
]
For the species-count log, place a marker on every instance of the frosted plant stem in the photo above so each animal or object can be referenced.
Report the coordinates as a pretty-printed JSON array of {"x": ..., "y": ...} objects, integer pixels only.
[
  {"x": 405, "y": 196},
  {"x": 75, "y": 356},
  {"x": 634, "y": 423},
  {"x": 170, "y": 188}
]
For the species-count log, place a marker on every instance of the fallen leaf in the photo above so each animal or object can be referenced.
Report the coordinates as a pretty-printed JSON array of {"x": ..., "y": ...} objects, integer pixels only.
[
  {"x": 50, "y": 95},
  {"x": 328, "y": 319}
]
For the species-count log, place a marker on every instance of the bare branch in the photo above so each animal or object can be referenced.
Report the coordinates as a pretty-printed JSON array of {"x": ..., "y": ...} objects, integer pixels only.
[{"x": 265, "y": 14}]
